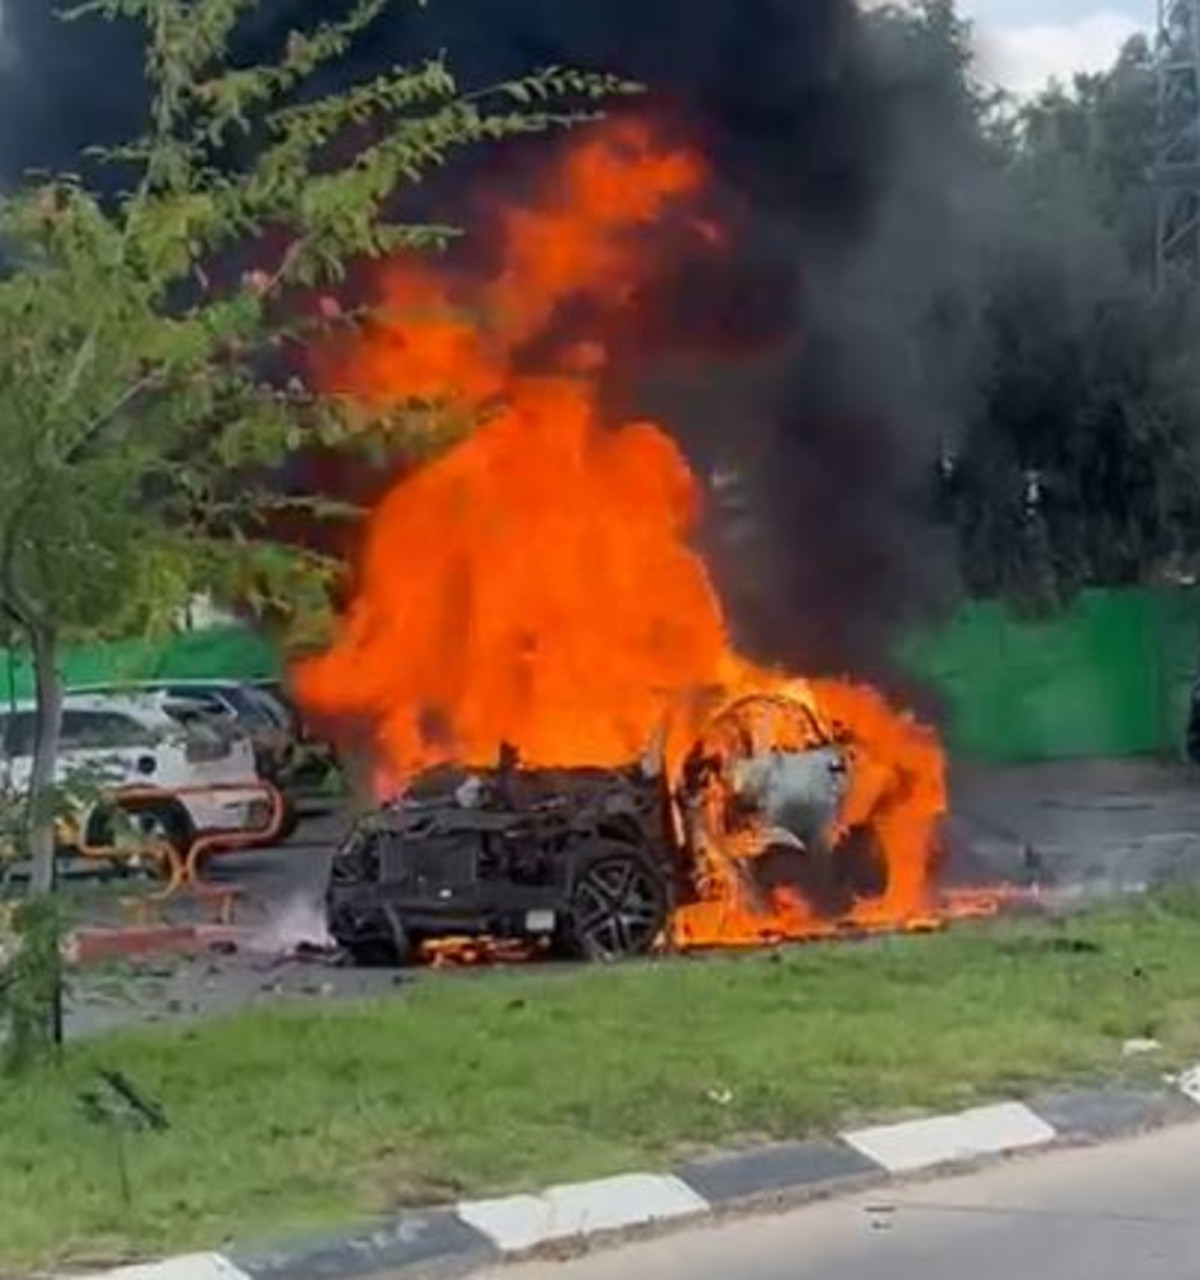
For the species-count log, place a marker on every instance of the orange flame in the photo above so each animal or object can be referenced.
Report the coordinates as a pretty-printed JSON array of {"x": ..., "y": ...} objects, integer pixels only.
[{"x": 536, "y": 584}]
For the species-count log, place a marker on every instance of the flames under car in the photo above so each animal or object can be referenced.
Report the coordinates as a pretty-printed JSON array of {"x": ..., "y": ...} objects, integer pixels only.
[{"x": 590, "y": 862}]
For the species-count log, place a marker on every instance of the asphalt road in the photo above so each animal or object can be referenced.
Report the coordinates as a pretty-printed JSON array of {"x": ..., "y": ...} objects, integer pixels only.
[
  {"x": 1110, "y": 1213},
  {"x": 1098, "y": 827}
]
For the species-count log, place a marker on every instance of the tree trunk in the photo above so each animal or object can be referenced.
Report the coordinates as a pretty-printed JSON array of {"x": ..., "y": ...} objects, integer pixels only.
[
  {"x": 33, "y": 1006},
  {"x": 49, "y": 695}
]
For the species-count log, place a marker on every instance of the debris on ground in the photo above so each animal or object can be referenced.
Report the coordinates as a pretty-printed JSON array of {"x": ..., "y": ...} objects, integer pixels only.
[{"x": 1139, "y": 1045}]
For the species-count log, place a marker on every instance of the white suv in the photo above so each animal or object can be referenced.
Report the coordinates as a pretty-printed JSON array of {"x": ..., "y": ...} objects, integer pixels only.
[
  {"x": 251, "y": 711},
  {"x": 147, "y": 741}
]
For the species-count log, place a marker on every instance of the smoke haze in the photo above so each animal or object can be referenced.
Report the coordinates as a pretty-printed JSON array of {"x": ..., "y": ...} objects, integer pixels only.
[{"x": 797, "y": 368}]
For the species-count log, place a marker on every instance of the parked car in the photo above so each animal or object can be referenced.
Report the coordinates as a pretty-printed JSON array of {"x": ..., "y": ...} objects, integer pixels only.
[
  {"x": 200, "y": 776},
  {"x": 245, "y": 709},
  {"x": 275, "y": 695},
  {"x": 256, "y": 714},
  {"x": 314, "y": 762}
]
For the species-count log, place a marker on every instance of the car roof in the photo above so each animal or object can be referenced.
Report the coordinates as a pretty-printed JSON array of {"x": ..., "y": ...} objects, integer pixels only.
[
  {"x": 147, "y": 706},
  {"x": 156, "y": 686}
]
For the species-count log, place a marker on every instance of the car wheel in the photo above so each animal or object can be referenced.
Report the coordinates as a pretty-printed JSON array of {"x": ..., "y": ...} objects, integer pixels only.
[
  {"x": 619, "y": 902},
  {"x": 380, "y": 950},
  {"x": 862, "y": 864},
  {"x": 829, "y": 880},
  {"x": 373, "y": 953},
  {"x": 169, "y": 820},
  {"x": 163, "y": 817}
]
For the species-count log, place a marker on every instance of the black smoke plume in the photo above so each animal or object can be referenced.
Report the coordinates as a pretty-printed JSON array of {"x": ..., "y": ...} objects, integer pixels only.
[{"x": 798, "y": 374}]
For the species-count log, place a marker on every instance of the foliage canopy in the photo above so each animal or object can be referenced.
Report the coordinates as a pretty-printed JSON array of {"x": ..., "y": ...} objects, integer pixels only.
[{"x": 150, "y": 373}]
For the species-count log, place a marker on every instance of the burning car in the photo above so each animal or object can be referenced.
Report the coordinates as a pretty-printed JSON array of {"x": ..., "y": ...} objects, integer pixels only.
[
  {"x": 539, "y": 582},
  {"x": 577, "y": 856},
  {"x": 599, "y": 863}
]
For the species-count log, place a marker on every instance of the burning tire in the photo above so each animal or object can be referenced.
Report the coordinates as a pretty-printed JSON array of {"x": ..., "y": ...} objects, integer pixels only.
[
  {"x": 830, "y": 880},
  {"x": 862, "y": 864},
  {"x": 619, "y": 903}
]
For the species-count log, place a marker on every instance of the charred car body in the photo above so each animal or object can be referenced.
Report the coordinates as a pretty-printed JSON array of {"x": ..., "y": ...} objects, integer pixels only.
[{"x": 593, "y": 860}]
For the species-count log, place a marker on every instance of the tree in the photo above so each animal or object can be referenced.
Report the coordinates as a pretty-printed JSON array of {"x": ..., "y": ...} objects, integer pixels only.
[
  {"x": 1077, "y": 462},
  {"x": 1101, "y": 134},
  {"x": 147, "y": 387}
]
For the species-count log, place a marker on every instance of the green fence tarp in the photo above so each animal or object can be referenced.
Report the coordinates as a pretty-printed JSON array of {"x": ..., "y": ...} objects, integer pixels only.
[
  {"x": 1108, "y": 677},
  {"x": 217, "y": 653}
]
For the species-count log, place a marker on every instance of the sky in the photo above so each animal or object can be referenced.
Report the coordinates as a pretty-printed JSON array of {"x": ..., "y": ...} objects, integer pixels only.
[{"x": 1025, "y": 43}]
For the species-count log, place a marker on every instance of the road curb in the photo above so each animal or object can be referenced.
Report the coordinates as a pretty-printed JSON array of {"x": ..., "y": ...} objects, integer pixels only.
[
  {"x": 457, "y": 1239},
  {"x": 94, "y": 944}
]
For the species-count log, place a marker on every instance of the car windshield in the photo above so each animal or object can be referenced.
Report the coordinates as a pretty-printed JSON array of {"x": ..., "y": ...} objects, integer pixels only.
[
  {"x": 271, "y": 706},
  {"x": 253, "y": 710},
  {"x": 224, "y": 700},
  {"x": 192, "y": 711},
  {"x": 202, "y": 719}
]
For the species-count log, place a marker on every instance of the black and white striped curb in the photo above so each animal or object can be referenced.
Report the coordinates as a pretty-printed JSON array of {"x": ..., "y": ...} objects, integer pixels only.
[{"x": 472, "y": 1233}]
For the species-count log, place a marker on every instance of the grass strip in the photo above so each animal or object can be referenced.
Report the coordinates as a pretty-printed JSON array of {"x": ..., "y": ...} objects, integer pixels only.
[{"x": 302, "y": 1118}]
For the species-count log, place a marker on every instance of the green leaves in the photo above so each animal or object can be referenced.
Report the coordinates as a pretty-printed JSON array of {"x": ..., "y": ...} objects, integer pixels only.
[
  {"x": 144, "y": 413},
  {"x": 554, "y": 83}
]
